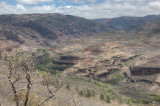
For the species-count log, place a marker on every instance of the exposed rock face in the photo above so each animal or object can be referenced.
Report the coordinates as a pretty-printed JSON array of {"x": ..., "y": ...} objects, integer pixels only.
[
  {"x": 150, "y": 67},
  {"x": 91, "y": 64},
  {"x": 141, "y": 71},
  {"x": 69, "y": 58},
  {"x": 62, "y": 63}
]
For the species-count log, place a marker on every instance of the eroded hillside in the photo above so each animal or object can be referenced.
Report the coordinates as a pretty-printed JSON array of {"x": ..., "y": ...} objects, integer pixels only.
[
  {"x": 127, "y": 64},
  {"x": 41, "y": 30},
  {"x": 119, "y": 68}
]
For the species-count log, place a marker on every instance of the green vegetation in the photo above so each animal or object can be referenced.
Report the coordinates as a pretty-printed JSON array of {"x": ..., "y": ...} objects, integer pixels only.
[
  {"x": 106, "y": 92},
  {"x": 45, "y": 63},
  {"x": 102, "y": 89},
  {"x": 114, "y": 72},
  {"x": 58, "y": 67},
  {"x": 68, "y": 86},
  {"x": 108, "y": 99},
  {"x": 54, "y": 72},
  {"x": 77, "y": 89},
  {"x": 89, "y": 81},
  {"x": 115, "y": 79},
  {"x": 93, "y": 93},
  {"x": 138, "y": 97},
  {"x": 151, "y": 98},
  {"x": 114, "y": 51},
  {"x": 81, "y": 92},
  {"x": 117, "y": 76},
  {"x": 120, "y": 77},
  {"x": 102, "y": 96},
  {"x": 88, "y": 93},
  {"x": 34, "y": 100},
  {"x": 45, "y": 56},
  {"x": 127, "y": 64},
  {"x": 43, "y": 59},
  {"x": 120, "y": 100}
]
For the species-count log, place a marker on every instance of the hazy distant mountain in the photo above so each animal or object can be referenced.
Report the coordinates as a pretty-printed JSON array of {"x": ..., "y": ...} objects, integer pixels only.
[
  {"x": 152, "y": 27},
  {"x": 150, "y": 31},
  {"x": 128, "y": 23}
]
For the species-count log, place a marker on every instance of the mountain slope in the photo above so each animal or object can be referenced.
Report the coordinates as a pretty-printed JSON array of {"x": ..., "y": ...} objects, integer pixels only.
[
  {"x": 150, "y": 33},
  {"x": 50, "y": 26},
  {"x": 128, "y": 23}
]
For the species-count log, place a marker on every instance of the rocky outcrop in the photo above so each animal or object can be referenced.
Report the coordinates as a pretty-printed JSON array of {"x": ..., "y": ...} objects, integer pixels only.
[
  {"x": 100, "y": 61},
  {"x": 141, "y": 71},
  {"x": 69, "y": 58},
  {"x": 63, "y": 63},
  {"x": 101, "y": 70},
  {"x": 146, "y": 67}
]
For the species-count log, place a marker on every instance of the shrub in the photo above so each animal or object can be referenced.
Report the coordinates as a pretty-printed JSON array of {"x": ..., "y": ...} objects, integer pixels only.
[
  {"x": 68, "y": 86},
  {"x": 120, "y": 77},
  {"x": 93, "y": 93},
  {"x": 102, "y": 96},
  {"x": 54, "y": 72},
  {"x": 33, "y": 98},
  {"x": 88, "y": 93},
  {"x": 77, "y": 89},
  {"x": 59, "y": 67},
  {"x": 127, "y": 64},
  {"x": 81, "y": 93},
  {"x": 129, "y": 102},
  {"x": 108, "y": 99},
  {"x": 120, "y": 100}
]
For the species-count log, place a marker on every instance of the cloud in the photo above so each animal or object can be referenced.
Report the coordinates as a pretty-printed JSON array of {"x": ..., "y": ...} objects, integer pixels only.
[
  {"x": 155, "y": 5},
  {"x": 32, "y": 1},
  {"x": 110, "y": 9},
  {"x": 20, "y": 9},
  {"x": 79, "y": 1},
  {"x": 93, "y": 9},
  {"x": 9, "y": 9}
]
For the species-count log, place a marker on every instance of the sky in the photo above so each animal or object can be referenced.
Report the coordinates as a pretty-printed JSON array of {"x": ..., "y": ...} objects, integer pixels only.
[{"x": 90, "y": 9}]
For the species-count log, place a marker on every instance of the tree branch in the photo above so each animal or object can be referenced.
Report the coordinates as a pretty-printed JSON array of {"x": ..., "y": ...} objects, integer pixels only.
[{"x": 51, "y": 94}]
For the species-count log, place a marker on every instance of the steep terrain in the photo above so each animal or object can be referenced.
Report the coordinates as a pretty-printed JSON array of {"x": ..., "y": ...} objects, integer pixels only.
[
  {"x": 128, "y": 23},
  {"x": 129, "y": 66},
  {"x": 43, "y": 29},
  {"x": 118, "y": 68},
  {"x": 127, "y": 60}
]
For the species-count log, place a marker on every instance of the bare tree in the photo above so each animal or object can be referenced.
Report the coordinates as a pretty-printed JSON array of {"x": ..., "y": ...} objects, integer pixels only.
[
  {"x": 21, "y": 72},
  {"x": 51, "y": 94}
]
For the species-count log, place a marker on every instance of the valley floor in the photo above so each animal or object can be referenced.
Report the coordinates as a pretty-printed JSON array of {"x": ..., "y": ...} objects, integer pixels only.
[{"x": 97, "y": 71}]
